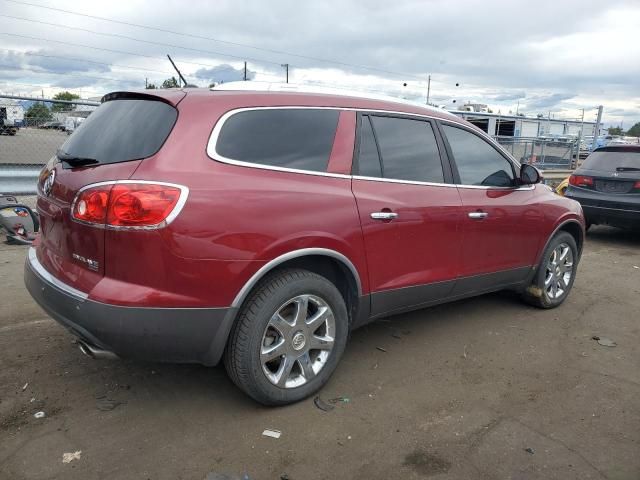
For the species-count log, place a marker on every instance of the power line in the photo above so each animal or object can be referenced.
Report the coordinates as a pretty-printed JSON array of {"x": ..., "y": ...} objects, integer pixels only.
[
  {"x": 190, "y": 35},
  {"x": 126, "y": 37},
  {"x": 31, "y": 54},
  {"x": 108, "y": 50}
]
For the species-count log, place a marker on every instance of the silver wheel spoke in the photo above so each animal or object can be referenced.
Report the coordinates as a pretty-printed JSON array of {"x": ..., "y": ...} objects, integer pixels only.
[
  {"x": 282, "y": 375},
  {"x": 302, "y": 308},
  {"x": 320, "y": 343},
  {"x": 305, "y": 365},
  {"x": 318, "y": 318},
  {"x": 270, "y": 353},
  {"x": 280, "y": 324}
]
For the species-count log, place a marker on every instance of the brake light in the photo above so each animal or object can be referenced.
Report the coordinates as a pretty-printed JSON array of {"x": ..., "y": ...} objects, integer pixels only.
[
  {"x": 129, "y": 204},
  {"x": 637, "y": 185},
  {"x": 580, "y": 181}
]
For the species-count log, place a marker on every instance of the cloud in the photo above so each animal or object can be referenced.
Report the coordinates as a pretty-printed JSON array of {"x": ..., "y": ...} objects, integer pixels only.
[
  {"x": 548, "y": 101},
  {"x": 223, "y": 73}
]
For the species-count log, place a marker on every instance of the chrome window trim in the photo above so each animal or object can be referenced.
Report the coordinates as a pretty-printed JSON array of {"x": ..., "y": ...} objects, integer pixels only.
[
  {"x": 255, "y": 278},
  {"x": 215, "y": 156},
  {"x": 184, "y": 193},
  {"x": 39, "y": 269}
]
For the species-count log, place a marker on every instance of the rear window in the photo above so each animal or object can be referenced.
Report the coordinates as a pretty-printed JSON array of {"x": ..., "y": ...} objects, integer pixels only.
[
  {"x": 289, "y": 138},
  {"x": 122, "y": 130},
  {"x": 610, "y": 161}
]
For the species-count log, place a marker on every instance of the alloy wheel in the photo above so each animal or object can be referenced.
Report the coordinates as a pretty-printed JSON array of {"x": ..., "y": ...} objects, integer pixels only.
[{"x": 559, "y": 271}]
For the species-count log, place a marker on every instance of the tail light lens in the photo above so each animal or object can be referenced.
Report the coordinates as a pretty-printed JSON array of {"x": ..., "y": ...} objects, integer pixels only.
[
  {"x": 581, "y": 181},
  {"x": 637, "y": 185},
  {"x": 129, "y": 204}
]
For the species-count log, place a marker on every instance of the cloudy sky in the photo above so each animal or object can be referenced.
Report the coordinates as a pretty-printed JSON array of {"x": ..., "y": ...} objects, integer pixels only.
[{"x": 535, "y": 57}]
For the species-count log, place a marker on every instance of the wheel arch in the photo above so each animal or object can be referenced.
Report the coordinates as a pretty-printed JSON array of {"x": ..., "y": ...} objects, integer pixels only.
[{"x": 574, "y": 228}]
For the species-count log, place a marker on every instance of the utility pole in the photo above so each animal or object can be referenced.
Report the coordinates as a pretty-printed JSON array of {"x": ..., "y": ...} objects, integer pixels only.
[
  {"x": 146, "y": 82},
  {"x": 428, "y": 88},
  {"x": 244, "y": 77},
  {"x": 597, "y": 130},
  {"x": 286, "y": 67}
]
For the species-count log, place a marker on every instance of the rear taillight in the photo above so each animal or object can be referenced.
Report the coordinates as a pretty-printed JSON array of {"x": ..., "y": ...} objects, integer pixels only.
[
  {"x": 637, "y": 185},
  {"x": 128, "y": 204},
  {"x": 581, "y": 181}
]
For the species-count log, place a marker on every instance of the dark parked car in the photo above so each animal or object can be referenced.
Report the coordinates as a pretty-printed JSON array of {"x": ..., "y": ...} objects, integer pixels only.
[
  {"x": 261, "y": 227},
  {"x": 607, "y": 185}
]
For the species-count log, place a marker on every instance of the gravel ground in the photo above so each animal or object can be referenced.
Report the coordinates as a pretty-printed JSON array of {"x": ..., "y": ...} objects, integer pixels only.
[
  {"x": 485, "y": 388},
  {"x": 31, "y": 146}
]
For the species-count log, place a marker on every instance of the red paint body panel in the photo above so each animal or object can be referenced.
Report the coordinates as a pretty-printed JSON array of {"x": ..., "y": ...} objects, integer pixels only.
[
  {"x": 422, "y": 245},
  {"x": 238, "y": 218}
]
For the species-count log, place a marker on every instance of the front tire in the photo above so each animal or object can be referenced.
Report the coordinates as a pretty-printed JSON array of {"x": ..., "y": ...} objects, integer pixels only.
[
  {"x": 289, "y": 337},
  {"x": 555, "y": 273}
]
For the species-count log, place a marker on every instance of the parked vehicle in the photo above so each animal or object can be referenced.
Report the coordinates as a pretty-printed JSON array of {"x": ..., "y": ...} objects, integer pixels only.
[
  {"x": 7, "y": 124},
  {"x": 241, "y": 225},
  {"x": 52, "y": 126},
  {"x": 607, "y": 185}
]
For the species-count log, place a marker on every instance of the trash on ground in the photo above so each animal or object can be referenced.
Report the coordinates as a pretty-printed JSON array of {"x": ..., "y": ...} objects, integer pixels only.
[
  {"x": 71, "y": 456},
  {"x": 604, "y": 341},
  {"x": 339, "y": 400},
  {"x": 322, "y": 405},
  {"x": 381, "y": 349},
  {"x": 464, "y": 352},
  {"x": 529, "y": 450},
  {"x": 24, "y": 387},
  {"x": 395, "y": 335},
  {"x": 272, "y": 433},
  {"x": 39, "y": 414},
  {"x": 636, "y": 266}
]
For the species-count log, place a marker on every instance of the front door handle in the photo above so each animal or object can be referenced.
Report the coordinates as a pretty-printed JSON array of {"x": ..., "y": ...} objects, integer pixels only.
[
  {"x": 478, "y": 215},
  {"x": 384, "y": 215}
]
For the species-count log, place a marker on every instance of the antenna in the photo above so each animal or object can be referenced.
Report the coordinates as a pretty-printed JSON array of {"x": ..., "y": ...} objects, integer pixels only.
[{"x": 179, "y": 74}]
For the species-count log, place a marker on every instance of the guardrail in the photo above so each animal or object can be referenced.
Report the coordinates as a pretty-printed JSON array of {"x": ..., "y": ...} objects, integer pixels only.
[{"x": 19, "y": 179}]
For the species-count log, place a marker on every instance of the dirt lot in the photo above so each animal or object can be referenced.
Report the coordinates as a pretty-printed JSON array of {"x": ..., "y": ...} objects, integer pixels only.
[{"x": 482, "y": 388}]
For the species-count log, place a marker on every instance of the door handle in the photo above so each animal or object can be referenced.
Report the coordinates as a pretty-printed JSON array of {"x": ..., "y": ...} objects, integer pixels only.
[
  {"x": 478, "y": 215},
  {"x": 384, "y": 215}
]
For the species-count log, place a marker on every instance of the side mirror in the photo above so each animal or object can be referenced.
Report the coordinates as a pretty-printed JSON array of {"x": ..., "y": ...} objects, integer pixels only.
[{"x": 529, "y": 175}]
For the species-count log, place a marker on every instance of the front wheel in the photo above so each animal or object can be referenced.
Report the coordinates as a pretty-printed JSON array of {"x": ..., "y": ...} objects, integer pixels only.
[
  {"x": 289, "y": 337},
  {"x": 555, "y": 274}
]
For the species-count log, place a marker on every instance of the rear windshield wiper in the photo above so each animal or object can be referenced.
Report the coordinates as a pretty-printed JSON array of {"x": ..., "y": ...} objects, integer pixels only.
[
  {"x": 75, "y": 161},
  {"x": 627, "y": 169}
]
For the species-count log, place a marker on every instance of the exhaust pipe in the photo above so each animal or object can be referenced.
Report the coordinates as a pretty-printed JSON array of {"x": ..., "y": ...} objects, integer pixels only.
[{"x": 95, "y": 352}]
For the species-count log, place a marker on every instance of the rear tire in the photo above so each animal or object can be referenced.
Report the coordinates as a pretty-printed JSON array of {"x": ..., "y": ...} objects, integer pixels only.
[
  {"x": 289, "y": 337},
  {"x": 555, "y": 273}
]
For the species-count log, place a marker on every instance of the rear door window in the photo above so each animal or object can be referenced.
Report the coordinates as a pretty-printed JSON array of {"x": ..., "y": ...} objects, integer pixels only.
[
  {"x": 478, "y": 162},
  {"x": 408, "y": 149},
  {"x": 122, "y": 130},
  {"x": 368, "y": 158},
  {"x": 300, "y": 139}
]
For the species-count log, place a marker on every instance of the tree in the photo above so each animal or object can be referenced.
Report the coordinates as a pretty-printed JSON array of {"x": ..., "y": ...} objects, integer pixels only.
[
  {"x": 151, "y": 86},
  {"x": 37, "y": 113},
  {"x": 615, "y": 131},
  {"x": 634, "y": 131},
  {"x": 64, "y": 107},
  {"x": 170, "y": 83}
]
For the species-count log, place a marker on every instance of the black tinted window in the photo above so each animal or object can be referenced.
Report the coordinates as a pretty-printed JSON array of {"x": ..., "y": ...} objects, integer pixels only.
[
  {"x": 478, "y": 162},
  {"x": 612, "y": 160},
  {"x": 409, "y": 150},
  {"x": 368, "y": 159},
  {"x": 121, "y": 130},
  {"x": 292, "y": 138}
]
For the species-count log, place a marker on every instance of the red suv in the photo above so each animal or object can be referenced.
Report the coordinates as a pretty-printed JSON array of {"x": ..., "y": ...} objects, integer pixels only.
[{"x": 262, "y": 227}]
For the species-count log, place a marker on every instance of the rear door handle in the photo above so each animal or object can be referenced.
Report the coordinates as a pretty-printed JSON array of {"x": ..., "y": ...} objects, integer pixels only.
[
  {"x": 384, "y": 215},
  {"x": 478, "y": 215}
]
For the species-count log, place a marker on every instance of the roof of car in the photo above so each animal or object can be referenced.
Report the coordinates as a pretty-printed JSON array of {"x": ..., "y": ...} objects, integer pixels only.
[
  {"x": 619, "y": 148},
  {"x": 261, "y": 94}
]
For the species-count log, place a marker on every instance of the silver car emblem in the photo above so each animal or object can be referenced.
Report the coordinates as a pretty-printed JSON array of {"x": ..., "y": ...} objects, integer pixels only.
[
  {"x": 615, "y": 174},
  {"x": 47, "y": 186}
]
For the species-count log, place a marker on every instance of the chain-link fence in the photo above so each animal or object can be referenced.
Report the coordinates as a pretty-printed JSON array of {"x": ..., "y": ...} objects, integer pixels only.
[
  {"x": 33, "y": 130},
  {"x": 543, "y": 153}
]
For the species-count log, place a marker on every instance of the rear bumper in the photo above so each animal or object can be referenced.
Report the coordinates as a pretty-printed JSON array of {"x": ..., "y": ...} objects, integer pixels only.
[
  {"x": 607, "y": 209},
  {"x": 184, "y": 335}
]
